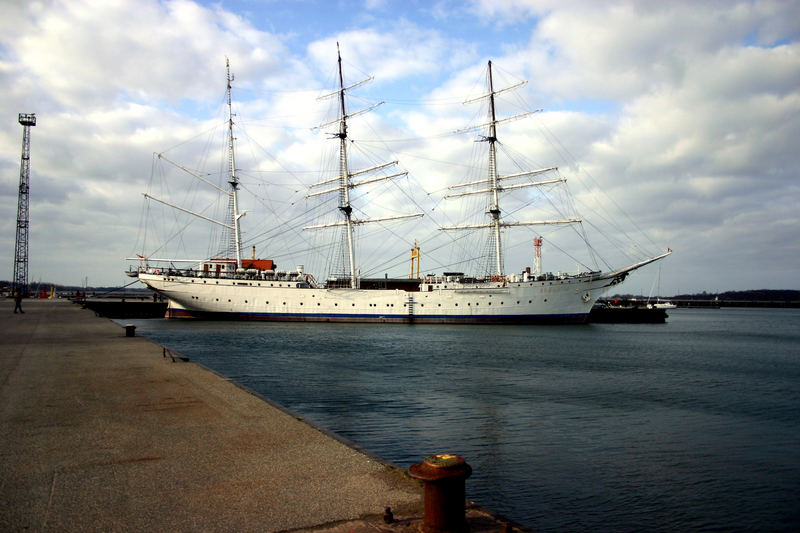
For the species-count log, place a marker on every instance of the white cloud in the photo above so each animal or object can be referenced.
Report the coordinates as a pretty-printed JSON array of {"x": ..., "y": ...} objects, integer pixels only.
[{"x": 406, "y": 52}]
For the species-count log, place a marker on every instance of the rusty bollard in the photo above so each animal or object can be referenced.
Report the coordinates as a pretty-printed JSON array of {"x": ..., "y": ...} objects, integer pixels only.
[{"x": 445, "y": 497}]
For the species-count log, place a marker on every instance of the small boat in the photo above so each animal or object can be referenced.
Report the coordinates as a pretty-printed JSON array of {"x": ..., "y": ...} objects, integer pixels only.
[
  {"x": 664, "y": 304},
  {"x": 626, "y": 313}
]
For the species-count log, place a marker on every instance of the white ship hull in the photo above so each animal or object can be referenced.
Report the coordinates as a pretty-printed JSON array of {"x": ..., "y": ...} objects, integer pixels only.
[{"x": 566, "y": 300}]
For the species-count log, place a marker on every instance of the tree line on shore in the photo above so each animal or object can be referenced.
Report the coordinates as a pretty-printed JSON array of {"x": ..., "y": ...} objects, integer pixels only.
[{"x": 757, "y": 295}]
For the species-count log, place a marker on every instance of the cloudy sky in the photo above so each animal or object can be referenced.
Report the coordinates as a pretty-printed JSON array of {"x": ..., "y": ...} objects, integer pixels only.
[{"x": 676, "y": 124}]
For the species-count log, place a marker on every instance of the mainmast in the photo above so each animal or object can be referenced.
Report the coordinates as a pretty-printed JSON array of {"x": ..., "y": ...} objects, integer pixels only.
[
  {"x": 233, "y": 203},
  {"x": 344, "y": 180},
  {"x": 344, "y": 185}
]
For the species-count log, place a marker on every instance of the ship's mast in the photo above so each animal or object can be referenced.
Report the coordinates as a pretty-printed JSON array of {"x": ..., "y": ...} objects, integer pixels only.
[
  {"x": 233, "y": 181},
  {"x": 344, "y": 196},
  {"x": 494, "y": 184},
  {"x": 344, "y": 181},
  {"x": 494, "y": 208}
]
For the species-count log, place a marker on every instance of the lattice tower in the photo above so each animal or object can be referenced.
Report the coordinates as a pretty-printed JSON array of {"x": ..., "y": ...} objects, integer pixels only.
[{"x": 20, "y": 280}]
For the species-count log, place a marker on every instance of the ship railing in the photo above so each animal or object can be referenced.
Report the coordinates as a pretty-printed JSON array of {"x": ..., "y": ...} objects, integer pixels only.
[
  {"x": 294, "y": 276},
  {"x": 432, "y": 279},
  {"x": 248, "y": 274}
]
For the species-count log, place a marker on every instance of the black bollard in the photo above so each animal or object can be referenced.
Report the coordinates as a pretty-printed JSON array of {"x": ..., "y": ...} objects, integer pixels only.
[{"x": 445, "y": 494}]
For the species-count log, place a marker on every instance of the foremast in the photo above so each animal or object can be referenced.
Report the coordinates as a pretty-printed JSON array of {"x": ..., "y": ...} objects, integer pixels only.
[
  {"x": 344, "y": 179},
  {"x": 493, "y": 185},
  {"x": 494, "y": 208}
]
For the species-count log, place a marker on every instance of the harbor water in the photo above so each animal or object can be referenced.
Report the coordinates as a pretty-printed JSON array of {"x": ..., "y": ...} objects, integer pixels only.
[{"x": 692, "y": 425}]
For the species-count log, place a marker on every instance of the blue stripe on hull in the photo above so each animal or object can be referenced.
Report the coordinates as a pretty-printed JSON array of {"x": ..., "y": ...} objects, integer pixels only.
[
  {"x": 580, "y": 318},
  {"x": 177, "y": 313}
]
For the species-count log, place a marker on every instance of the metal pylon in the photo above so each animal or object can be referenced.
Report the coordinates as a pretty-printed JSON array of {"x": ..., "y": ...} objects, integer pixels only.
[{"x": 23, "y": 220}]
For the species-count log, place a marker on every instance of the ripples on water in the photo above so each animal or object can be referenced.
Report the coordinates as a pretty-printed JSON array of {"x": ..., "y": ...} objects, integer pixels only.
[{"x": 690, "y": 425}]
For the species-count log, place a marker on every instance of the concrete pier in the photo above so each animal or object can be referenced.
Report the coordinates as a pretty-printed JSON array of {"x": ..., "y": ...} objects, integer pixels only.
[{"x": 99, "y": 432}]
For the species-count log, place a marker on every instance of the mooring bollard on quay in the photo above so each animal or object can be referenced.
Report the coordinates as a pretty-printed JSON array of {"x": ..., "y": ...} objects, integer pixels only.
[
  {"x": 130, "y": 330},
  {"x": 445, "y": 492}
]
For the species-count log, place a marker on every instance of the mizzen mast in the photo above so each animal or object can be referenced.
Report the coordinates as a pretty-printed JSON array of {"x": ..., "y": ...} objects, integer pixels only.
[
  {"x": 233, "y": 204},
  {"x": 231, "y": 242}
]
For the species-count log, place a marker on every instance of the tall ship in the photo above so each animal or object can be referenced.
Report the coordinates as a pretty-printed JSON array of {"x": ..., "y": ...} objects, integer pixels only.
[{"x": 240, "y": 288}]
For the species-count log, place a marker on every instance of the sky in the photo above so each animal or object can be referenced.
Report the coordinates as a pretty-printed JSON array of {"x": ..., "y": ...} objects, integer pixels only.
[{"x": 676, "y": 125}]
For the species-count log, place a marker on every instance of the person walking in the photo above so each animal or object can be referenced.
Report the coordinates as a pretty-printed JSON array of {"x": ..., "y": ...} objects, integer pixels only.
[{"x": 18, "y": 301}]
